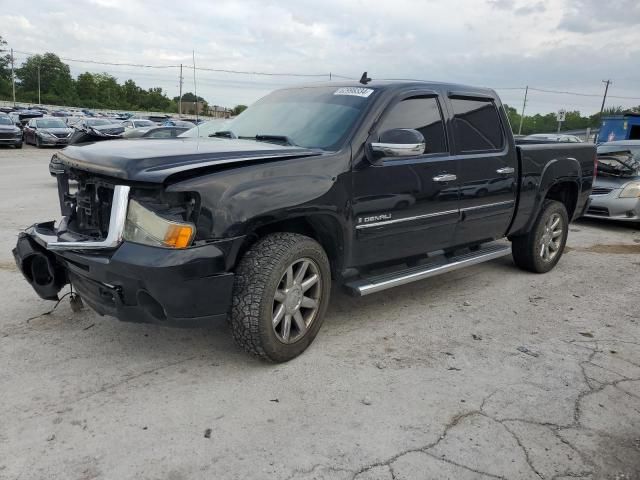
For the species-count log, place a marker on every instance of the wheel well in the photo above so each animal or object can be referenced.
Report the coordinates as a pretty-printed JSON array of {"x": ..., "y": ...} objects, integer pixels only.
[
  {"x": 566, "y": 193},
  {"x": 324, "y": 229}
]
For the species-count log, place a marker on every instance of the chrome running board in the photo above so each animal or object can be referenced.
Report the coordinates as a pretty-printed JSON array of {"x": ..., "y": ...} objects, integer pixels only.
[{"x": 377, "y": 283}]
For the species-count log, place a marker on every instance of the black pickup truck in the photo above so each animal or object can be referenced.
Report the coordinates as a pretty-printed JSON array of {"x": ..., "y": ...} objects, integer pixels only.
[{"x": 368, "y": 186}]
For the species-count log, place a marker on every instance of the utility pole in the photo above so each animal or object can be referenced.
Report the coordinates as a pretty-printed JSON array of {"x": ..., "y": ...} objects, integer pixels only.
[
  {"x": 13, "y": 79},
  {"x": 180, "y": 99},
  {"x": 39, "y": 103},
  {"x": 604, "y": 99},
  {"x": 524, "y": 104}
]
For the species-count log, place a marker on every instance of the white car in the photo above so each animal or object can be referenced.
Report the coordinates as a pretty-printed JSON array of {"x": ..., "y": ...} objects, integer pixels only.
[{"x": 137, "y": 123}]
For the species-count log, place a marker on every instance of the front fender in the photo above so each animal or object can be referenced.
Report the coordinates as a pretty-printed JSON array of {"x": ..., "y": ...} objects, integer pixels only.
[{"x": 237, "y": 201}]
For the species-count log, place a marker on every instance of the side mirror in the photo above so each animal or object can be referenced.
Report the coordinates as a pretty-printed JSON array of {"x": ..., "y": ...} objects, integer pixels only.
[{"x": 398, "y": 142}]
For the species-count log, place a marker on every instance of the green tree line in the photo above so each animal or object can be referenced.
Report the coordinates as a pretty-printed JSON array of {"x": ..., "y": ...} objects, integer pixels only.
[
  {"x": 548, "y": 123},
  {"x": 87, "y": 90}
]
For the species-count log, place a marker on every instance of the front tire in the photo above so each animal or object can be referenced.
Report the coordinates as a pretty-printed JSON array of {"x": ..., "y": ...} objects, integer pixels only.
[
  {"x": 38, "y": 143},
  {"x": 281, "y": 293},
  {"x": 18, "y": 145},
  {"x": 541, "y": 248}
]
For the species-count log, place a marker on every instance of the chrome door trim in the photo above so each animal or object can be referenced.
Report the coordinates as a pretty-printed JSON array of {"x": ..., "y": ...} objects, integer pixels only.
[
  {"x": 405, "y": 219},
  {"x": 488, "y": 205},
  {"x": 445, "y": 177}
]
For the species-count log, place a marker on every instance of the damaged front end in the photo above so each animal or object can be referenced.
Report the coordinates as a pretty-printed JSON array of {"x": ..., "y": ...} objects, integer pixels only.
[
  {"x": 130, "y": 252},
  {"x": 40, "y": 268}
]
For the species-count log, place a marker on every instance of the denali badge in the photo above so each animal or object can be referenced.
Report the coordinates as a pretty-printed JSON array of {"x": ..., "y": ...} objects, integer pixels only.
[{"x": 374, "y": 218}]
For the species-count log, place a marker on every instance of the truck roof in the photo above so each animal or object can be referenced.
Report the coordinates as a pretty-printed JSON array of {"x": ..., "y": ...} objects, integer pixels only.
[{"x": 397, "y": 84}]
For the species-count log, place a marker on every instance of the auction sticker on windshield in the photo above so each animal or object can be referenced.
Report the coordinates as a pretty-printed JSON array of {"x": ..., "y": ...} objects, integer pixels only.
[{"x": 354, "y": 91}]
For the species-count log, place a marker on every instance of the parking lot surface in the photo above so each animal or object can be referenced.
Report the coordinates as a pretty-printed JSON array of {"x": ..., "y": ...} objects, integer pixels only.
[{"x": 488, "y": 372}]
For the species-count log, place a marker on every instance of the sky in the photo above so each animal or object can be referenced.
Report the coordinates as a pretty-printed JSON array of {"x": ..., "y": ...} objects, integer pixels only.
[{"x": 563, "y": 45}]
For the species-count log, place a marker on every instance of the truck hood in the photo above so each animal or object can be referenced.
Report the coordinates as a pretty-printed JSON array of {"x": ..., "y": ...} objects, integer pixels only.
[{"x": 154, "y": 160}]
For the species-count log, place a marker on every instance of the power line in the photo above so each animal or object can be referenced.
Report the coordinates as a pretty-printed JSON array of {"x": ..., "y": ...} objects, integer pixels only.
[
  {"x": 207, "y": 69},
  {"x": 309, "y": 75}
]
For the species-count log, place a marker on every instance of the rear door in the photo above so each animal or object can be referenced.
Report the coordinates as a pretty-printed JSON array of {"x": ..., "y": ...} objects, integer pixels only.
[
  {"x": 487, "y": 168},
  {"x": 406, "y": 206}
]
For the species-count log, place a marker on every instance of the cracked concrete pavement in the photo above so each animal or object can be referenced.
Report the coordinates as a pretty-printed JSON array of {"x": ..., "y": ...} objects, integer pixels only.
[{"x": 426, "y": 381}]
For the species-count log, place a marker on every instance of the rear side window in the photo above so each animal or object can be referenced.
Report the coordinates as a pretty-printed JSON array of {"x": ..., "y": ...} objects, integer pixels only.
[
  {"x": 477, "y": 125},
  {"x": 422, "y": 114}
]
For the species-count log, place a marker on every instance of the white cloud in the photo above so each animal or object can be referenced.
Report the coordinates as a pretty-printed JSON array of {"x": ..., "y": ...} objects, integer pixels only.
[{"x": 564, "y": 44}]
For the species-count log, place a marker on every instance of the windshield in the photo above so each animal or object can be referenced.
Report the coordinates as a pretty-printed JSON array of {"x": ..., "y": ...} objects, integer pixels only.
[
  {"x": 50, "y": 123},
  {"x": 5, "y": 121},
  {"x": 206, "y": 128},
  {"x": 94, "y": 122},
  {"x": 619, "y": 160},
  {"x": 313, "y": 117}
]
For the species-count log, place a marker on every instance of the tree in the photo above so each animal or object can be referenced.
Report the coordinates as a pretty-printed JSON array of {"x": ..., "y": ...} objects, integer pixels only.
[
  {"x": 87, "y": 90},
  {"x": 238, "y": 109},
  {"x": 5, "y": 70},
  {"x": 189, "y": 97},
  {"x": 55, "y": 79}
]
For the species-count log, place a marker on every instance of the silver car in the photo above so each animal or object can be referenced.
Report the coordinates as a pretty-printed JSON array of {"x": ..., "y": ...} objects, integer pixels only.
[{"x": 616, "y": 191}]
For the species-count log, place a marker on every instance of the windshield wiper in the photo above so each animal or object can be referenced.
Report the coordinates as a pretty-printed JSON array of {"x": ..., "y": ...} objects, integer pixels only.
[
  {"x": 275, "y": 139},
  {"x": 223, "y": 133}
]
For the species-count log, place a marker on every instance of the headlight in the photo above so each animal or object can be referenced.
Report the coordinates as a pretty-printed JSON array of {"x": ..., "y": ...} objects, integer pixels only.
[
  {"x": 144, "y": 226},
  {"x": 631, "y": 190}
]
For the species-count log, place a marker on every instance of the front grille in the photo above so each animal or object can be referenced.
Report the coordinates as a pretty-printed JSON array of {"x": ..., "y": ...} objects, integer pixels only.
[
  {"x": 6, "y": 135},
  {"x": 600, "y": 191},
  {"x": 89, "y": 208},
  {"x": 61, "y": 135},
  {"x": 600, "y": 211}
]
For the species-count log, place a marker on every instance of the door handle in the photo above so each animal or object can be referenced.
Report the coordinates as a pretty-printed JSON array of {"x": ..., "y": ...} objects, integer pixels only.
[
  {"x": 446, "y": 177},
  {"x": 506, "y": 170}
]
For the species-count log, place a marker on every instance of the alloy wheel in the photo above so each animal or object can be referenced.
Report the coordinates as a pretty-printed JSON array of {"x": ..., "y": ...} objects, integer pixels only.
[
  {"x": 551, "y": 239},
  {"x": 297, "y": 300}
]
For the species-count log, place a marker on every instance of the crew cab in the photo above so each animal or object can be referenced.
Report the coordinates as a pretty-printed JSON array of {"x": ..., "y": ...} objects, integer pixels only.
[{"x": 365, "y": 185}]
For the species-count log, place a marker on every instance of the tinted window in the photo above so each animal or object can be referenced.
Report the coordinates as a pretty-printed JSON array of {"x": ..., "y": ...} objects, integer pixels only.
[
  {"x": 422, "y": 114},
  {"x": 477, "y": 125}
]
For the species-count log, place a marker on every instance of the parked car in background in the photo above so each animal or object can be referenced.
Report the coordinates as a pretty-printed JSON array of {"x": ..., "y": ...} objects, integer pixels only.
[
  {"x": 154, "y": 132},
  {"x": 616, "y": 191},
  {"x": 206, "y": 129},
  {"x": 10, "y": 134},
  {"x": 95, "y": 129},
  {"x": 100, "y": 123},
  {"x": 46, "y": 131},
  {"x": 137, "y": 123},
  {"x": 61, "y": 113},
  {"x": 177, "y": 123},
  {"x": 21, "y": 117},
  {"x": 552, "y": 137}
]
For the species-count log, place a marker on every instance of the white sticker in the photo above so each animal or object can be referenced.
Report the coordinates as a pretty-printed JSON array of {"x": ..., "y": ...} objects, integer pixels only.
[{"x": 354, "y": 91}]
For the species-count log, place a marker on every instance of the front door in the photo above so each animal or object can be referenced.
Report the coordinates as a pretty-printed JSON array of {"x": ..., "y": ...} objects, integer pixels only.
[{"x": 406, "y": 206}]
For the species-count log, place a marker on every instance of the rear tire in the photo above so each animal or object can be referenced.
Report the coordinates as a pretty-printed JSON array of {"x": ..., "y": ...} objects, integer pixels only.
[
  {"x": 541, "y": 248},
  {"x": 280, "y": 296}
]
